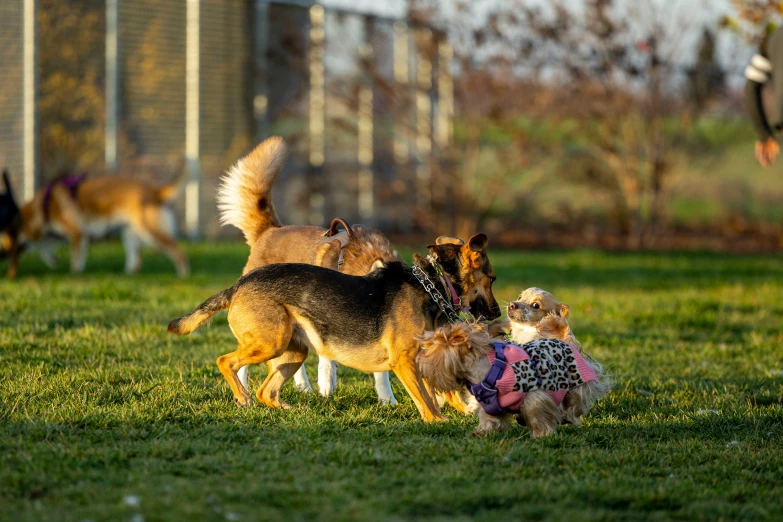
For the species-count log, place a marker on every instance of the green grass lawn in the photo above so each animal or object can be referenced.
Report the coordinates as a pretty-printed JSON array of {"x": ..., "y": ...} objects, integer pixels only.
[{"x": 105, "y": 417}]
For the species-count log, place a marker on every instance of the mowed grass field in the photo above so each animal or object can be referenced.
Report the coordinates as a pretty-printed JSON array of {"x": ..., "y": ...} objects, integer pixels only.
[{"x": 103, "y": 416}]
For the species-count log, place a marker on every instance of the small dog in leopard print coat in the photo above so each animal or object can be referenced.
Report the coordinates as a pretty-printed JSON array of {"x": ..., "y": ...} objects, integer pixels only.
[{"x": 544, "y": 382}]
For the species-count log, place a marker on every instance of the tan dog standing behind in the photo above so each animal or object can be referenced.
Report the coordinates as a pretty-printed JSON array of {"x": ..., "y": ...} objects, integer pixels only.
[{"x": 245, "y": 201}]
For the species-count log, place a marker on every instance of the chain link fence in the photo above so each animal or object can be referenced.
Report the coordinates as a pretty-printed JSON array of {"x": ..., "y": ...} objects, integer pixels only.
[{"x": 145, "y": 88}]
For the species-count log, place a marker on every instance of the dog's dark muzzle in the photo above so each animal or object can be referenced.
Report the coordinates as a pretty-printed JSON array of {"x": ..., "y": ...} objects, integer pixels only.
[{"x": 481, "y": 308}]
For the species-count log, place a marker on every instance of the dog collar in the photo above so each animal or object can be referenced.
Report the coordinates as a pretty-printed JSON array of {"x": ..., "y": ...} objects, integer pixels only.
[
  {"x": 486, "y": 392},
  {"x": 456, "y": 302}
]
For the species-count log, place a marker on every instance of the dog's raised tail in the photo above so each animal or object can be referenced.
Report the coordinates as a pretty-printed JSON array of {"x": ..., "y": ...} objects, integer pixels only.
[
  {"x": 190, "y": 323},
  {"x": 245, "y": 193},
  {"x": 170, "y": 190}
]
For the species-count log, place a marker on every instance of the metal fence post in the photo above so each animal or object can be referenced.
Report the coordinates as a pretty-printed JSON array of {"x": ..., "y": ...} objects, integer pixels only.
[
  {"x": 192, "y": 116},
  {"x": 261, "y": 94},
  {"x": 366, "y": 200},
  {"x": 423, "y": 121},
  {"x": 443, "y": 122},
  {"x": 445, "y": 185},
  {"x": 112, "y": 84},
  {"x": 317, "y": 114},
  {"x": 29, "y": 99},
  {"x": 402, "y": 120}
]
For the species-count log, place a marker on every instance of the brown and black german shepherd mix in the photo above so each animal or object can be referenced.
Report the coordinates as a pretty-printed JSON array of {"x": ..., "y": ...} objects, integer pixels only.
[
  {"x": 245, "y": 201},
  {"x": 279, "y": 312}
]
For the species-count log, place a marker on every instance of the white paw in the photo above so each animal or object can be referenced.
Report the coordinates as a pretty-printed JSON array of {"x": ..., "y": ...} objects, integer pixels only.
[{"x": 303, "y": 387}]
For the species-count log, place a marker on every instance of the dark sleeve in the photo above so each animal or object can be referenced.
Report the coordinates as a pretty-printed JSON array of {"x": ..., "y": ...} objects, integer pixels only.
[
  {"x": 775, "y": 54},
  {"x": 755, "y": 110}
]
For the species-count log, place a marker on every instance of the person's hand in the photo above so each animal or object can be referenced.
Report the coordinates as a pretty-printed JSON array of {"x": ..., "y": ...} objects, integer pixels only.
[{"x": 767, "y": 151}]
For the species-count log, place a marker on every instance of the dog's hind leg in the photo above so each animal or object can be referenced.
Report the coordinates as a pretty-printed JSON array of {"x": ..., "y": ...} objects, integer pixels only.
[
  {"x": 383, "y": 388},
  {"x": 579, "y": 400},
  {"x": 301, "y": 381},
  {"x": 281, "y": 369},
  {"x": 540, "y": 413},
  {"x": 157, "y": 227},
  {"x": 264, "y": 331},
  {"x": 327, "y": 376}
]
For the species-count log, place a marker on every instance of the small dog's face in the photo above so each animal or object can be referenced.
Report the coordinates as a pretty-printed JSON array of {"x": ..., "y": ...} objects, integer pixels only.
[{"x": 533, "y": 305}]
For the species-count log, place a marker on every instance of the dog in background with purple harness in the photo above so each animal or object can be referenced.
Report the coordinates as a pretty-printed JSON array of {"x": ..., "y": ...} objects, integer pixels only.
[
  {"x": 78, "y": 208},
  {"x": 543, "y": 383}
]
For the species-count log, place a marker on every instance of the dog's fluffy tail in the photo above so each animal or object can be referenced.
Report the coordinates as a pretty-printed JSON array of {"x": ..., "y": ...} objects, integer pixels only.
[
  {"x": 245, "y": 193},
  {"x": 170, "y": 190},
  {"x": 189, "y": 323}
]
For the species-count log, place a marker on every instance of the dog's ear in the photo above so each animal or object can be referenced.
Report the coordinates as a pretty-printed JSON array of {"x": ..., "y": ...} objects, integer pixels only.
[
  {"x": 446, "y": 240},
  {"x": 378, "y": 263},
  {"x": 563, "y": 310},
  {"x": 474, "y": 252},
  {"x": 9, "y": 191},
  {"x": 458, "y": 337},
  {"x": 456, "y": 334},
  {"x": 478, "y": 243},
  {"x": 327, "y": 255}
]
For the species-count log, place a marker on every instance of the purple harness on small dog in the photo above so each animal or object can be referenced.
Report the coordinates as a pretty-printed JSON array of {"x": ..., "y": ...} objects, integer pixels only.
[
  {"x": 486, "y": 392},
  {"x": 70, "y": 182}
]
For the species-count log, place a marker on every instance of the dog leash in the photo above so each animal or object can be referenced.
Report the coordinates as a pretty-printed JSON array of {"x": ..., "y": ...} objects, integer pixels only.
[{"x": 436, "y": 296}]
